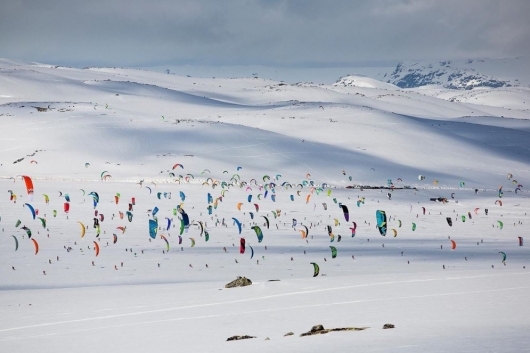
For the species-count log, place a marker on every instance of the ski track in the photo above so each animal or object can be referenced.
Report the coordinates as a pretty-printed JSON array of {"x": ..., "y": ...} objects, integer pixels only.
[
  {"x": 283, "y": 295},
  {"x": 63, "y": 332}
]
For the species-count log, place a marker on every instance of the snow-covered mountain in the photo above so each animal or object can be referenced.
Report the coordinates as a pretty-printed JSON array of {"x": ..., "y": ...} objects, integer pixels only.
[
  {"x": 356, "y": 80},
  {"x": 459, "y": 75}
]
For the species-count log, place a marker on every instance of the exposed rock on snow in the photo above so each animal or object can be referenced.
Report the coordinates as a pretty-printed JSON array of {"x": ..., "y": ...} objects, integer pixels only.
[
  {"x": 237, "y": 338},
  {"x": 319, "y": 330},
  {"x": 314, "y": 329},
  {"x": 239, "y": 282},
  {"x": 387, "y": 326}
]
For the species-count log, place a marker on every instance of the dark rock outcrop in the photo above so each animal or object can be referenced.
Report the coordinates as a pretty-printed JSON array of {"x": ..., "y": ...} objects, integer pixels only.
[
  {"x": 237, "y": 338},
  {"x": 239, "y": 282},
  {"x": 320, "y": 330}
]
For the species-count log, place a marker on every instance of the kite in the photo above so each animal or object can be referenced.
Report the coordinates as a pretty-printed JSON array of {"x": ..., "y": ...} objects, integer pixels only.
[
  {"x": 381, "y": 221},
  {"x": 238, "y": 224},
  {"x": 266, "y": 221},
  {"x": 36, "y": 246},
  {"x": 153, "y": 227},
  {"x": 83, "y": 229},
  {"x": 242, "y": 246},
  {"x": 259, "y": 233},
  {"x": 333, "y": 252},
  {"x": 16, "y": 242},
  {"x": 96, "y": 248},
  {"x": 32, "y": 210},
  {"x": 503, "y": 256},
  {"x": 346, "y": 213},
  {"x": 167, "y": 243},
  {"x": 316, "y": 269}
]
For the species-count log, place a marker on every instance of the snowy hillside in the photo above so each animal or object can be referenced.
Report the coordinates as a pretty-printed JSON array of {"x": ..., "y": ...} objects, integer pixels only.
[
  {"x": 290, "y": 74},
  {"x": 126, "y": 194},
  {"x": 362, "y": 81},
  {"x": 466, "y": 75}
]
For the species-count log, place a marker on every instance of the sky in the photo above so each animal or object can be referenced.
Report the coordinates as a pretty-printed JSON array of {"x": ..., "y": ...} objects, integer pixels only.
[{"x": 261, "y": 32}]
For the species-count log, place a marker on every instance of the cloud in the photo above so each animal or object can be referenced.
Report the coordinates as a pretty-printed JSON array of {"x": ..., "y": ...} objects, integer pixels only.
[{"x": 270, "y": 32}]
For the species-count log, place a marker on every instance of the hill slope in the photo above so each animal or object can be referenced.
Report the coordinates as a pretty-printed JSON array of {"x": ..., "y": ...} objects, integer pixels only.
[{"x": 100, "y": 254}]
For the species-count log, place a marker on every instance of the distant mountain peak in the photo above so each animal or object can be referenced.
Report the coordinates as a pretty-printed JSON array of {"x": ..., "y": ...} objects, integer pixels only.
[
  {"x": 357, "y": 80},
  {"x": 448, "y": 74}
]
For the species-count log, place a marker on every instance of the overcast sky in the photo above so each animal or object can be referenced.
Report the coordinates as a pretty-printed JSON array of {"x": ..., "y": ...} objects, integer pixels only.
[{"x": 265, "y": 32}]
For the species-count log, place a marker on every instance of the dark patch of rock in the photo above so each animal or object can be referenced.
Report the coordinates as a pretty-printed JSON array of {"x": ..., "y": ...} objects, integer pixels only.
[
  {"x": 349, "y": 329},
  {"x": 239, "y": 282},
  {"x": 317, "y": 328},
  {"x": 237, "y": 338},
  {"x": 320, "y": 330},
  {"x": 387, "y": 326}
]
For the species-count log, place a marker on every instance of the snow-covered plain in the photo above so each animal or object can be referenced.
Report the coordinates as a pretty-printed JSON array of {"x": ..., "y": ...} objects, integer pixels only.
[{"x": 136, "y": 125}]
